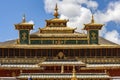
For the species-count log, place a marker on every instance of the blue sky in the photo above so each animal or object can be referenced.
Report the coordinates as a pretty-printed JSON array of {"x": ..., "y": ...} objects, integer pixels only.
[{"x": 37, "y": 11}]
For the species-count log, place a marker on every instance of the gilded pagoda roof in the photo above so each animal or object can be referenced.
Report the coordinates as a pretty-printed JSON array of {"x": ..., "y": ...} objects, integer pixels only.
[
  {"x": 93, "y": 24},
  {"x": 57, "y": 28},
  {"x": 24, "y": 22},
  {"x": 60, "y": 31},
  {"x": 59, "y": 35},
  {"x": 103, "y": 43},
  {"x": 57, "y": 20}
]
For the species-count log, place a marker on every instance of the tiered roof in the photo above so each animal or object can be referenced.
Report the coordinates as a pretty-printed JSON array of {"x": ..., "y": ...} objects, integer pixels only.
[
  {"x": 24, "y": 24},
  {"x": 56, "y": 25},
  {"x": 57, "y": 29},
  {"x": 93, "y": 25}
]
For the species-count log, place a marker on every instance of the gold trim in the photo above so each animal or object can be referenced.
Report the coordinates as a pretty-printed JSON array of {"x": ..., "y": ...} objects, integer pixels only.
[
  {"x": 62, "y": 46},
  {"x": 59, "y": 38}
]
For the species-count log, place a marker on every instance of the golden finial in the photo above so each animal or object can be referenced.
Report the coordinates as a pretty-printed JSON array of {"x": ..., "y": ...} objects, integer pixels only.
[
  {"x": 92, "y": 20},
  {"x": 17, "y": 41},
  {"x": 74, "y": 75},
  {"x": 56, "y": 12},
  {"x": 24, "y": 19}
]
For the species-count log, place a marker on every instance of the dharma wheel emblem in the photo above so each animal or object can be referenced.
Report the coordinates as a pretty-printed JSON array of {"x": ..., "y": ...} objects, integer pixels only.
[
  {"x": 93, "y": 36},
  {"x": 24, "y": 36}
]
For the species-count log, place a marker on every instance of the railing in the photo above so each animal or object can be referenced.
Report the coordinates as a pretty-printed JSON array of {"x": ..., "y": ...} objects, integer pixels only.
[
  {"x": 112, "y": 60},
  {"x": 100, "y": 60}
]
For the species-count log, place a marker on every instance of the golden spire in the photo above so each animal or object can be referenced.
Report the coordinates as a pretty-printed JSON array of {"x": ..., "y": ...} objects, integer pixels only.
[
  {"x": 56, "y": 12},
  {"x": 24, "y": 19},
  {"x": 74, "y": 75},
  {"x": 92, "y": 20}
]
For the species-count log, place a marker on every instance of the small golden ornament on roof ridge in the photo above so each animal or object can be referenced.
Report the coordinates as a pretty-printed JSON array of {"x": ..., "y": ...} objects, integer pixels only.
[
  {"x": 92, "y": 20},
  {"x": 24, "y": 19},
  {"x": 56, "y": 12}
]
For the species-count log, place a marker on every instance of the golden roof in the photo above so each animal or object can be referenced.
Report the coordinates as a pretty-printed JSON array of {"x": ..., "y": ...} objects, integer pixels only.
[
  {"x": 82, "y": 46},
  {"x": 24, "y": 22},
  {"x": 56, "y": 19},
  {"x": 93, "y": 24},
  {"x": 60, "y": 35},
  {"x": 102, "y": 41},
  {"x": 57, "y": 28}
]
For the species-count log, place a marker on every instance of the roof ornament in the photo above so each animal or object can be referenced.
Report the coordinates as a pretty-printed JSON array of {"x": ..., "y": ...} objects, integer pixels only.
[
  {"x": 24, "y": 19},
  {"x": 56, "y": 14},
  {"x": 92, "y": 20}
]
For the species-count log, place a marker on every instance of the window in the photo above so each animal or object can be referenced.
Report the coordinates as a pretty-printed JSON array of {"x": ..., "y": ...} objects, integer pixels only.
[
  {"x": 71, "y": 53},
  {"x": 0, "y": 53},
  {"x": 118, "y": 52},
  {"x": 44, "y": 52},
  {"x": 38, "y": 52},
  {"x": 109, "y": 52},
  {"x": 98, "y": 52},
  {"x": 27, "y": 53},
  {"x": 82, "y": 53},
  {"x": 11, "y": 53},
  {"x": 16, "y": 53},
  {"x": 88, "y": 52},
  {"x": 32, "y": 53},
  {"x": 22, "y": 54},
  {"x": 6, "y": 52},
  {"x": 49, "y": 53},
  {"x": 76, "y": 53}
]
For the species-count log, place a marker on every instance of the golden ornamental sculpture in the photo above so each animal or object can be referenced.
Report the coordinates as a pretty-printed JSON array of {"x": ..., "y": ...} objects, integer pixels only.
[
  {"x": 56, "y": 14},
  {"x": 92, "y": 20},
  {"x": 24, "y": 19}
]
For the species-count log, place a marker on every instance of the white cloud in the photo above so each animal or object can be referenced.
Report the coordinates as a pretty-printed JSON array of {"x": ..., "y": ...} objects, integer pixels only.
[
  {"x": 103, "y": 31},
  {"x": 79, "y": 15},
  {"x": 113, "y": 36},
  {"x": 49, "y": 5},
  {"x": 31, "y": 22},
  {"x": 111, "y": 13},
  {"x": 92, "y": 4},
  {"x": 72, "y": 10},
  {"x": 66, "y": 4}
]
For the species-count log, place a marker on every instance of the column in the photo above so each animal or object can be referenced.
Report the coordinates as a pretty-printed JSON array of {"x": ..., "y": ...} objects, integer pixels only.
[{"x": 62, "y": 68}]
